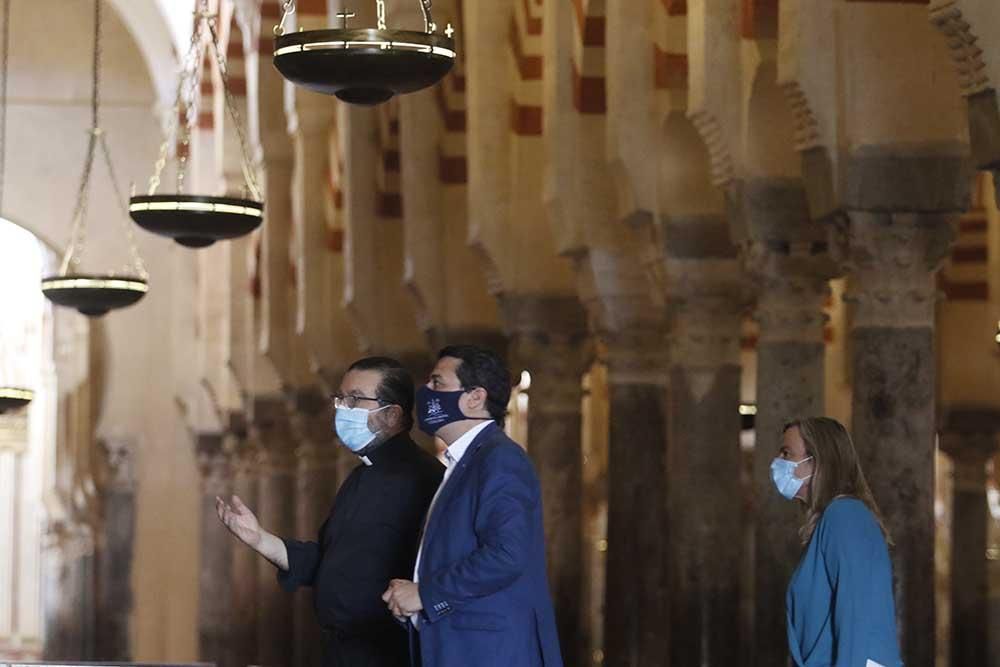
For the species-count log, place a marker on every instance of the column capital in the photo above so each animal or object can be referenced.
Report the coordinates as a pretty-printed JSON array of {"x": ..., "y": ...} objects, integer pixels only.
[
  {"x": 213, "y": 463},
  {"x": 639, "y": 355},
  {"x": 271, "y": 433},
  {"x": 312, "y": 426},
  {"x": 707, "y": 300},
  {"x": 792, "y": 285},
  {"x": 892, "y": 258},
  {"x": 546, "y": 318},
  {"x": 969, "y": 434},
  {"x": 118, "y": 470}
]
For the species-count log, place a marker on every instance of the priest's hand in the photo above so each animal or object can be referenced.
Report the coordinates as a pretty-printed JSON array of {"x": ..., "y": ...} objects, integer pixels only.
[
  {"x": 403, "y": 598},
  {"x": 240, "y": 521}
]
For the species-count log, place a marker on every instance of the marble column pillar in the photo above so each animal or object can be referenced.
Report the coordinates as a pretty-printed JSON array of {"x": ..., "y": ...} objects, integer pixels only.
[
  {"x": 790, "y": 383},
  {"x": 114, "y": 552},
  {"x": 892, "y": 289},
  {"x": 68, "y": 591},
  {"x": 214, "y": 582},
  {"x": 637, "y": 630},
  {"x": 704, "y": 462},
  {"x": 243, "y": 580},
  {"x": 270, "y": 427},
  {"x": 549, "y": 340},
  {"x": 969, "y": 437},
  {"x": 317, "y": 481}
]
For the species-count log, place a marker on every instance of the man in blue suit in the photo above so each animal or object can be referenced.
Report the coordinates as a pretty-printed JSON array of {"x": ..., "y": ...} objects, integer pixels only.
[{"x": 479, "y": 595}]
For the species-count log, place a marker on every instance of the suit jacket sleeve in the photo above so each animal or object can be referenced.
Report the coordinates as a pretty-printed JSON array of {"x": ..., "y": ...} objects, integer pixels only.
[{"x": 509, "y": 496}]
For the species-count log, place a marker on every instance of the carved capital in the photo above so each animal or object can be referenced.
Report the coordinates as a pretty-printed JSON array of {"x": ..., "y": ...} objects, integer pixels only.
[
  {"x": 708, "y": 299},
  {"x": 792, "y": 287},
  {"x": 892, "y": 258},
  {"x": 213, "y": 464},
  {"x": 557, "y": 367},
  {"x": 312, "y": 426},
  {"x": 970, "y": 434},
  {"x": 271, "y": 432},
  {"x": 638, "y": 356},
  {"x": 545, "y": 318},
  {"x": 118, "y": 463}
]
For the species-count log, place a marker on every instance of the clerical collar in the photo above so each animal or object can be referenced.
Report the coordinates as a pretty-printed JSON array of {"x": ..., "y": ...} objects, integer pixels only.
[{"x": 374, "y": 453}]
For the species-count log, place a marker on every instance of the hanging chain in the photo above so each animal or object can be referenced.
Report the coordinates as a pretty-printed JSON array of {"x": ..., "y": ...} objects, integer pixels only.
[
  {"x": 74, "y": 253},
  {"x": 429, "y": 25},
  {"x": 248, "y": 165},
  {"x": 380, "y": 9},
  {"x": 186, "y": 90},
  {"x": 98, "y": 140},
  {"x": 287, "y": 9},
  {"x": 5, "y": 65},
  {"x": 137, "y": 264}
]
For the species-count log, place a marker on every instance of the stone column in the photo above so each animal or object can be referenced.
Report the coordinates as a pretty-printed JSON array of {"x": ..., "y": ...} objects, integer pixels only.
[
  {"x": 317, "y": 481},
  {"x": 969, "y": 437},
  {"x": 243, "y": 580},
  {"x": 114, "y": 552},
  {"x": 636, "y": 625},
  {"x": 270, "y": 428},
  {"x": 704, "y": 462},
  {"x": 892, "y": 290},
  {"x": 214, "y": 582},
  {"x": 68, "y": 591},
  {"x": 549, "y": 340},
  {"x": 790, "y": 383}
]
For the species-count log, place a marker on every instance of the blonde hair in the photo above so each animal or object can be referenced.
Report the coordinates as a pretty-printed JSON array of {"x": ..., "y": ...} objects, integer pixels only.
[{"x": 836, "y": 473}]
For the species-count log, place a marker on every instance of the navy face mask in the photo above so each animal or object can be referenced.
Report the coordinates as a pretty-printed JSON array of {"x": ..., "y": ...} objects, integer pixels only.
[{"x": 439, "y": 408}]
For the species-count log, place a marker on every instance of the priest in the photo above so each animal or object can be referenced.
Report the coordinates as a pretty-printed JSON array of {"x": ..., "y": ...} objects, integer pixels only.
[{"x": 372, "y": 533}]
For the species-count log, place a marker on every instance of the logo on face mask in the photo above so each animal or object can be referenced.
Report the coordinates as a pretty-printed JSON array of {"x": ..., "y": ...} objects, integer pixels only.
[{"x": 434, "y": 407}]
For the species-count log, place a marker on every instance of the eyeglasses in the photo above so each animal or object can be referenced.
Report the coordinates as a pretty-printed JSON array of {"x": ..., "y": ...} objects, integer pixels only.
[{"x": 350, "y": 401}]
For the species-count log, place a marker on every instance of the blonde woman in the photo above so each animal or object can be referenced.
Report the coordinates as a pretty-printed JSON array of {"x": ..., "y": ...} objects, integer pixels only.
[{"x": 840, "y": 606}]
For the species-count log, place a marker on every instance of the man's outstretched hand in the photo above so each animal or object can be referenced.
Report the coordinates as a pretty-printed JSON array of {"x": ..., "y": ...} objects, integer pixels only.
[{"x": 240, "y": 521}]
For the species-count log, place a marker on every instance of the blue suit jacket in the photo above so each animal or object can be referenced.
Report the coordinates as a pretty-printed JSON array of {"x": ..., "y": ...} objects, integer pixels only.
[
  {"x": 840, "y": 606},
  {"x": 482, "y": 572}
]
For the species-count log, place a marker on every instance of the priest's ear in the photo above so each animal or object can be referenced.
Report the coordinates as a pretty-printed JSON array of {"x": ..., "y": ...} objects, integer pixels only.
[{"x": 394, "y": 417}]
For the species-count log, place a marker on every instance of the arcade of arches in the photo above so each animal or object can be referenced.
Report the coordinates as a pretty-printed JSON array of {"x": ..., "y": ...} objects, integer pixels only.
[{"x": 670, "y": 216}]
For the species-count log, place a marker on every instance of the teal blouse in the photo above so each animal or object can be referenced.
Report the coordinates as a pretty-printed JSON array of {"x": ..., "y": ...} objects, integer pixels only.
[{"x": 840, "y": 607}]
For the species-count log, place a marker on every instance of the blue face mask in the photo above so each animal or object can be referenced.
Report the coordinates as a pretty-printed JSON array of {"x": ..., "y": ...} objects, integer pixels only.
[
  {"x": 436, "y": 409},
  {"x": 783, "y": 476},
  {"x": 351, "y": 425}
]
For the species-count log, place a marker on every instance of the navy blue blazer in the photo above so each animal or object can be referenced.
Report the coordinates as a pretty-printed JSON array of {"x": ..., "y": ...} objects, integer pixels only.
[{"x": 482, "y": 576}]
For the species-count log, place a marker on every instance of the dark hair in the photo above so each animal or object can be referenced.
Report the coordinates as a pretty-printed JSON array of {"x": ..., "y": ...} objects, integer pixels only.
[
  {"x": 395, "y": 387},
  {"x": 482, "y": 367}
]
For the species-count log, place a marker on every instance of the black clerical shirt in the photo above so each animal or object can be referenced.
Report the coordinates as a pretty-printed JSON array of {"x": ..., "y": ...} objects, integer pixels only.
[{"x": 370, "y": 537}]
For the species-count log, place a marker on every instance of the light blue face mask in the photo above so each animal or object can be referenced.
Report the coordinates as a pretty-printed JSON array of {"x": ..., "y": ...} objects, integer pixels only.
[
  {"x": 783, "y": 476},
  {"x": 351, "y": 425}
]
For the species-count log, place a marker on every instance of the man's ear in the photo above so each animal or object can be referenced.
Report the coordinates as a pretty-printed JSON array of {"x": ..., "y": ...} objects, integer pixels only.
[
  {"x": 477, "y": 397},
  {"x": 394, "y": 415}
]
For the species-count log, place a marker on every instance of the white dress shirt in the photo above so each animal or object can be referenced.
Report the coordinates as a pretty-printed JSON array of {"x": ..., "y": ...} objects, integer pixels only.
[{"x": 452, "y": 456}]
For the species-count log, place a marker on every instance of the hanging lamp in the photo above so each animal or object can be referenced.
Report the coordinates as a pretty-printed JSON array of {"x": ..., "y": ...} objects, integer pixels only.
[
  {"x": 197, "y": 221},
  {"x": 14, "y": 398},
  {"x": 362, "y": 65},
  {"x": 94, "y": 294},
  {"x": 11, "y": 398}
]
